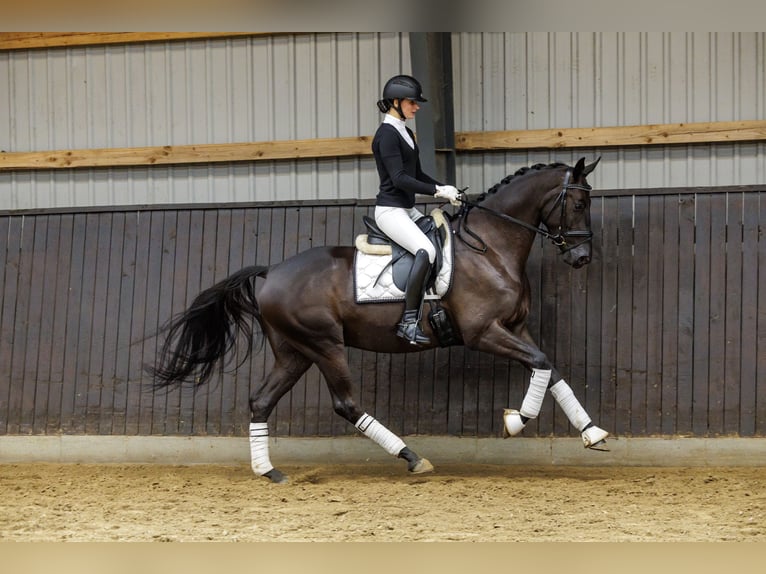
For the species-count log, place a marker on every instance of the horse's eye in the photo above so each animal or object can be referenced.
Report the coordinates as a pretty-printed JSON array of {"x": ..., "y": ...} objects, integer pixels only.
[{"x": 579, "y": 206}]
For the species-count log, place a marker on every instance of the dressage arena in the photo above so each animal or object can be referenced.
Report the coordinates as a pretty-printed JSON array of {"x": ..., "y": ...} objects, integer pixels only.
[
  {"x": 244, "y": 150},
  {"x": 381, "y": 502}
]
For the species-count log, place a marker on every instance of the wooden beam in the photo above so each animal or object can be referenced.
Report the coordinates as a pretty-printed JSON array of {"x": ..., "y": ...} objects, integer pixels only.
[
  {"x": 666, "y": 134},
  {"x": 655, "y": 134},
  {"x": 185, "y": 154},
  {"x": 32, "y": 40}
]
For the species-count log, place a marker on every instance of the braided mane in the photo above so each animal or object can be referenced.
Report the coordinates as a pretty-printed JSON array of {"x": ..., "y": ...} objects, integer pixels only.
[{"x": 521, "y": 171}]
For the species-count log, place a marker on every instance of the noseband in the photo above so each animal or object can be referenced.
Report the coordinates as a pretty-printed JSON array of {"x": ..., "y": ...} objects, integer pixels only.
[{"x": 559, "y": 238}]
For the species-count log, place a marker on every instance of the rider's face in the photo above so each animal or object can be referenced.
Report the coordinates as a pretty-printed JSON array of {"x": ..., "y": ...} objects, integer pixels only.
[{"x": 409, "y": 108}]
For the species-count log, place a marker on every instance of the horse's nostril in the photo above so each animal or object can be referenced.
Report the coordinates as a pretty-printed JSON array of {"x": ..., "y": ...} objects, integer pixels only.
[{"x": 584, "y": 260}]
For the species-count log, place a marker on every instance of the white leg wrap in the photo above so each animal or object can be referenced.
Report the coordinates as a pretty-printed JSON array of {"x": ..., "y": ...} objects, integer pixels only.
[
  {"x": 533, "y": 400},
  {"x": 572, "y": 408},
  {"x": 259, "y": 448},
  {"x": 371, "y": 428}
]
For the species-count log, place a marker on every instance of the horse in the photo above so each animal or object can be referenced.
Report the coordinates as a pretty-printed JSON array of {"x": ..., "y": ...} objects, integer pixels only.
[{"x": 306, "y": 309}]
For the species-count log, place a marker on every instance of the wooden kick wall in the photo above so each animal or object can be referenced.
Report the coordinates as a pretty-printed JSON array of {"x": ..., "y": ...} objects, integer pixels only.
[{"x": 663, "y": 334}]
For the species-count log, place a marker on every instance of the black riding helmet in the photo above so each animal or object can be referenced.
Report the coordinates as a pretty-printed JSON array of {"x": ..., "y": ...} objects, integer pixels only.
[{"x": 399, "y": 88}]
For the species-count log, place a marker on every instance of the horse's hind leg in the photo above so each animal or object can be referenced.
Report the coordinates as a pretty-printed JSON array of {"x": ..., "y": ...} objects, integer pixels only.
[
  {"x": 288, "y": 367},
  {"x": 338, "y": 376}
]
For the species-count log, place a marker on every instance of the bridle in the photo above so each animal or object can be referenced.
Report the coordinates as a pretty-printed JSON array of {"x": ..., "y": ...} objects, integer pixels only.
[{"x": 559, "y": 238}]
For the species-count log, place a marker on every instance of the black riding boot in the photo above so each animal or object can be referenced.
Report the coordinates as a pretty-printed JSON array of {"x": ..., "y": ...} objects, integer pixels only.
[{"x": 408, "y": 328}]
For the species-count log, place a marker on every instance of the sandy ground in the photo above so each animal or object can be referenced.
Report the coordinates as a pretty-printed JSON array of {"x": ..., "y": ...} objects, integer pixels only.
[{"x": 78, "y": 502}]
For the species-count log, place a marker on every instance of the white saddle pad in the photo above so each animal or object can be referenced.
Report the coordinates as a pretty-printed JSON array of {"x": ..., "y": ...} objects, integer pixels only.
[{"x": 373, "y": 276}]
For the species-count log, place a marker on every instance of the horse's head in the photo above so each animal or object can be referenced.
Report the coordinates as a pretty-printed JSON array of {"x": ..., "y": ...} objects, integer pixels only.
[{"x": 566, "y": 214}]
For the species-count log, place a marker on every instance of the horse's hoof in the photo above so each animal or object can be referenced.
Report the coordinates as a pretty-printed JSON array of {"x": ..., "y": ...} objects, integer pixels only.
[
  {"x": 276, "y": 476},
  {"x": 593, "y": 438},
  {"x": 513, "y": 423},
  {"x": 421, "y": 466}
]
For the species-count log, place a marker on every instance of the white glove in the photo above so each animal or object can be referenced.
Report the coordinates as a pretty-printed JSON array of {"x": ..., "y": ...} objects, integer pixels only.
[{"x": 448, "y": 192}]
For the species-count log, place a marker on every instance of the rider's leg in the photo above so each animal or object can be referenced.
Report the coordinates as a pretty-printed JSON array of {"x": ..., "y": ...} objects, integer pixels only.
[{"x": 399, "y": 225}]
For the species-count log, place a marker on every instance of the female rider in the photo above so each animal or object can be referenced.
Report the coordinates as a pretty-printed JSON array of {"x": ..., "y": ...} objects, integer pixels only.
[{"x": 401, "y": 177}]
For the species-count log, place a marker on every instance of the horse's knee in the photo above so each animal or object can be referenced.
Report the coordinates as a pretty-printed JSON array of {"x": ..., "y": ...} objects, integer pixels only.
[
  {"x": 538, "y": 360},
  {"x": 260, "y": 409},
  {"x": 347, "y": 409}
]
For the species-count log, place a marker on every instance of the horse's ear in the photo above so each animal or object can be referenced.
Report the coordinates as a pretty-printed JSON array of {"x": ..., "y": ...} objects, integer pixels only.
[{"x": 588, "y": 168}]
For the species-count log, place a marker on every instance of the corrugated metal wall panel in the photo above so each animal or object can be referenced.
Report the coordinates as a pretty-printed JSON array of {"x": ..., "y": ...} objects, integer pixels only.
[
  {"x": 203, "y": 91},
  {"x": 511, "y": 81},
  {"x": 325, "y": 85}
]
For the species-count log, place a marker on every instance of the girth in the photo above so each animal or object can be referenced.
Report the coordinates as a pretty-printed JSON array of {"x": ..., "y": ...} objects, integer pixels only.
[{"x": 401, "y": 259}]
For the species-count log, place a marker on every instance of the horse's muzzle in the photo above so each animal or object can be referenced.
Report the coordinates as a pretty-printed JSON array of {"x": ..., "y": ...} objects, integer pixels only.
[
  {"x": 578, "y": 256},
  {"x": 581, "y": 261}
]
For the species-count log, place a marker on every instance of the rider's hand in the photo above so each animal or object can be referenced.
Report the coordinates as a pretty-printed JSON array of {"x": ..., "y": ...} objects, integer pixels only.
[{"x": 448, "y": 192}]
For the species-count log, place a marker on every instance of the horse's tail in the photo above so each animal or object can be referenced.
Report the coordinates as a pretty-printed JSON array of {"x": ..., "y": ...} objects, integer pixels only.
[{"x": 198, "y": 339}]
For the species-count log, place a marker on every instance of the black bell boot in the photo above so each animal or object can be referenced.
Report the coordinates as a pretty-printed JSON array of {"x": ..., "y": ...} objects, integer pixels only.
[{"x": 409, "y": 328}]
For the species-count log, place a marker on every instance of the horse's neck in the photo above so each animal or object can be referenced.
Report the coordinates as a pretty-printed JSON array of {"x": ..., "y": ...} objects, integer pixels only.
[{"x": 511, "y": 241}]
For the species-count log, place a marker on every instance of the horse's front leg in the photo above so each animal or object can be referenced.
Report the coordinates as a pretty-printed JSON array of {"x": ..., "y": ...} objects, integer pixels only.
[{"x": 520, "y": 346}]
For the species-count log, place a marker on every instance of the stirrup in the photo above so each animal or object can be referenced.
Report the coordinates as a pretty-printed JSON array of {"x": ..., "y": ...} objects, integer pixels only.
[{"x": 410, "y": 331}]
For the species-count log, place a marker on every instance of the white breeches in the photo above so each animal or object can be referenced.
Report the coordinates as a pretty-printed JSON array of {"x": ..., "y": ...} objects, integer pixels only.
[{"x": 399, "y": 224}]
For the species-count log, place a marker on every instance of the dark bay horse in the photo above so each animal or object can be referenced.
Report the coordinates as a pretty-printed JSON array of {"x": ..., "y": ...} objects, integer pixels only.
[{"x": 307, "y": 310}]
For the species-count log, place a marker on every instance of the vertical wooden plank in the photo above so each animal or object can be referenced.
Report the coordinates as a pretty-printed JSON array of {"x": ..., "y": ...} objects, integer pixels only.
[
  {"x": 111, "y": 280},
  {"x": 702, "y": 317},
  {"x": 217, "y": 233},
  {"x": 734, "y": 314},
  {"x": 152, "y": 405},
  {"x": 624, "y": 355},
  {"x": 139, "y": 330},
  {"x": 36, "y": 379},
  {"x": 102, "y": 225},
  {"x": 125, "y": 262},
  {"x": 6, "y": 341},
  {"x": 114, "y": 386},
  {"x": 59, "y": 384},
  {"x": 752, "y": 332},
  {"x": 228, "y": 246},
  {"x": 609, "y": 255},
  {"x": 593, "y": 335},
  {"x": 190, "y": 402},
  {"x": 236, "y": 414},
  {"x": 84, "y": 332},
  {"x": 717, "y": 332},
  {"x": 669, "y": 319},
  {"x": 760, "y": 390},
  {"x": 640, "y": 310},
  {"x": 440, "y": 402},
  {"x": 411, "y": 393},
  {"x": 24, "y": 334},
  {"x": 8, "y": 351},
  {"x": 174, "y": 280},
  {"x": 686, "y": 313}
]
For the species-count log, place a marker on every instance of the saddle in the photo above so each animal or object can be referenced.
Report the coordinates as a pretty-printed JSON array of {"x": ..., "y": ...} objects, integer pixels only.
[
  {"x": 381, "y": 269},
  {"x": 401, "y": 259}
]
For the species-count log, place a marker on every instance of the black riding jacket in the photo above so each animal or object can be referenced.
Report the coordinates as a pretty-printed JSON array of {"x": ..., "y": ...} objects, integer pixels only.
[{"x": 401, "y": 176}]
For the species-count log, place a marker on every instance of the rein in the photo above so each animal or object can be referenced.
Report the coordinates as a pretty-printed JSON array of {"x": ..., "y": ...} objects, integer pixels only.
[{"x": 559, "y": 239}]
